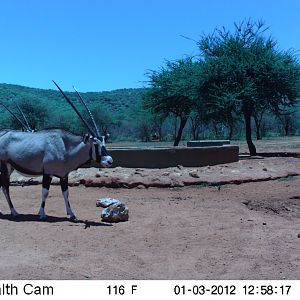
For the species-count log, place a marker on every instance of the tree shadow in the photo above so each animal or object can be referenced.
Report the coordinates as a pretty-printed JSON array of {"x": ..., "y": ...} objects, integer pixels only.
[{"x": 51, "y": 219}]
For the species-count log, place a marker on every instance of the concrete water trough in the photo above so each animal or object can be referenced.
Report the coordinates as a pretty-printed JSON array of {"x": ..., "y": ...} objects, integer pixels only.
[{"x": 164, "y": 157}]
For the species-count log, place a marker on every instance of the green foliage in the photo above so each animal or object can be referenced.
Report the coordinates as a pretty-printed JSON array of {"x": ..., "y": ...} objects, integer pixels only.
[
  {"x": 35, "y": 111},
  {"x": 244, "y": 73},
  {"x": 287, "y": 178},
  {"x": 244, "y": 69},
  {"x": 172, "y": 91},
  {"x": 172, "y": 88}
]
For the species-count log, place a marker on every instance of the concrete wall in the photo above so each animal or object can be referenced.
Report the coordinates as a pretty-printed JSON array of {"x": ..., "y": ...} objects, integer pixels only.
[{"x": 173, "y": 156}]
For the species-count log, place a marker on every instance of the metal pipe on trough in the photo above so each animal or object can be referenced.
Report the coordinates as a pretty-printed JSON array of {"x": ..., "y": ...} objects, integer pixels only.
[{"x": 207, "y": 143}]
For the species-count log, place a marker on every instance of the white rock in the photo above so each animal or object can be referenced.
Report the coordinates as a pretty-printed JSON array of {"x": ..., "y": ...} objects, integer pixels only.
[
  {"x": 106, "y": 202},
  {"x": 115, "y": 213}
]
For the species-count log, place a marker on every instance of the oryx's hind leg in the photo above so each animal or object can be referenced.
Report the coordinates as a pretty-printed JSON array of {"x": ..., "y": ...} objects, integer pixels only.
[
  {"x": 45, "y": 192},
  {"x": 65, "y": 191},
  {"x": 5, "y": 174}
]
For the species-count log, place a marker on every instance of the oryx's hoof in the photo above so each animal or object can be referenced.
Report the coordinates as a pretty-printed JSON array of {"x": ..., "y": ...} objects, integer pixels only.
[
  {"x": 73, "y": 219},
  {"x": 14, "y": 213},
  {"x": 42, "y": 217}
]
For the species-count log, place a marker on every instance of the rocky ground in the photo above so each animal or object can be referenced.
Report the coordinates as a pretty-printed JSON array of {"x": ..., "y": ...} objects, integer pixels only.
[
  {"x": 184, "y": 223},
  {"x": 245, "y": 170}
]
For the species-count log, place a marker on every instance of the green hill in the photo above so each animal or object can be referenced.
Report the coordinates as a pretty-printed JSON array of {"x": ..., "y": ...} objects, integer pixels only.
[
  {"x": 117, "y": 101},
  {"x": 114, "y": 107}
]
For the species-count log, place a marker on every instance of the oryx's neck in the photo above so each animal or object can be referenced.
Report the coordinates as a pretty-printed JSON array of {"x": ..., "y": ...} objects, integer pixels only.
[
  {"x": 77, "y": 155},
  {"x": 81, "y": 150}
]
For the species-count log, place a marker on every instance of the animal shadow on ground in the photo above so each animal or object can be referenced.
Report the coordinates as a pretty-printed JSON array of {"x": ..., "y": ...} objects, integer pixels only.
[{"x": 50, "y": 219}]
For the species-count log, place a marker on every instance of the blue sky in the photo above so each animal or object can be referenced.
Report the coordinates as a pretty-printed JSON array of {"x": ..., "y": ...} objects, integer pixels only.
[{"x": 106, "y": 45}]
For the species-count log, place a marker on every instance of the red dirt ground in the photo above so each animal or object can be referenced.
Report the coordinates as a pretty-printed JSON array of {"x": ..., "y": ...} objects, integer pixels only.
[{"x": 235, "y": 229}]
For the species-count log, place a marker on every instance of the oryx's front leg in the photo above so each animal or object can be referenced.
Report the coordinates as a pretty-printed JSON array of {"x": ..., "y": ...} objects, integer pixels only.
[
  {"x": 65, "y": 192},
  {"x": 45, "y": 192},
  {"x": 5, "y": 174}
]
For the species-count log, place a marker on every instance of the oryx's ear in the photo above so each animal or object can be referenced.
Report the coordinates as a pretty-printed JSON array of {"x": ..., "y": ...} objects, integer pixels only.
[
  {"x": 106, "y": 137},
  {"x": 86, "y": 138}
]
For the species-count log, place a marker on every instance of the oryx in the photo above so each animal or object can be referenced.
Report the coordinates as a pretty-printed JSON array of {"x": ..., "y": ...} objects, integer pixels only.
[{"x": 52, "y": 152}]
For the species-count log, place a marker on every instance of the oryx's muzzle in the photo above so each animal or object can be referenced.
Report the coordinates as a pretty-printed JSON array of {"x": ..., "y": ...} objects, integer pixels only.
[{"x": 106, "y": 160}]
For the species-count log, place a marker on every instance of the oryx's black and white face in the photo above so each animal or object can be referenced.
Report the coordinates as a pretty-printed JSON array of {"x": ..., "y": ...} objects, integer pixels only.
[{"x": 101, "y": 154}]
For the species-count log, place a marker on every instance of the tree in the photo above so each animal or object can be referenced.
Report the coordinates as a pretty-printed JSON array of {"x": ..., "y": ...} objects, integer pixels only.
[
  {"x": 245, "y": 71},
  {"x": 195, "y": 125},
  {"x": 172, "y": 92},
  {"x": 287, "y": 120},
  {"x": 103, "y": 118},
  {"x": 36, "y": 112},
  {"x": 67, "y": 120},
  {"x": 258, "y": 116},
  {"x": 143, "y": 124}
]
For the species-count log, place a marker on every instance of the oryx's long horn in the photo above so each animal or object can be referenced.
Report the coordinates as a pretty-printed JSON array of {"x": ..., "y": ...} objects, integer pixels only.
[
  {"x": 15, "y": 116},
  {"x": 24, "y": 118},
  {"x": 89, "y": 112},
  {"x": 76, "y": 110}
]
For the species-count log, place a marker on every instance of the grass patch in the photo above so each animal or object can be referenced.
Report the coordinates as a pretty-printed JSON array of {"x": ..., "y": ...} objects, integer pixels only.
[
  {"x": 285, "y": 179},
  {"x": 203, "y": 185}
]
